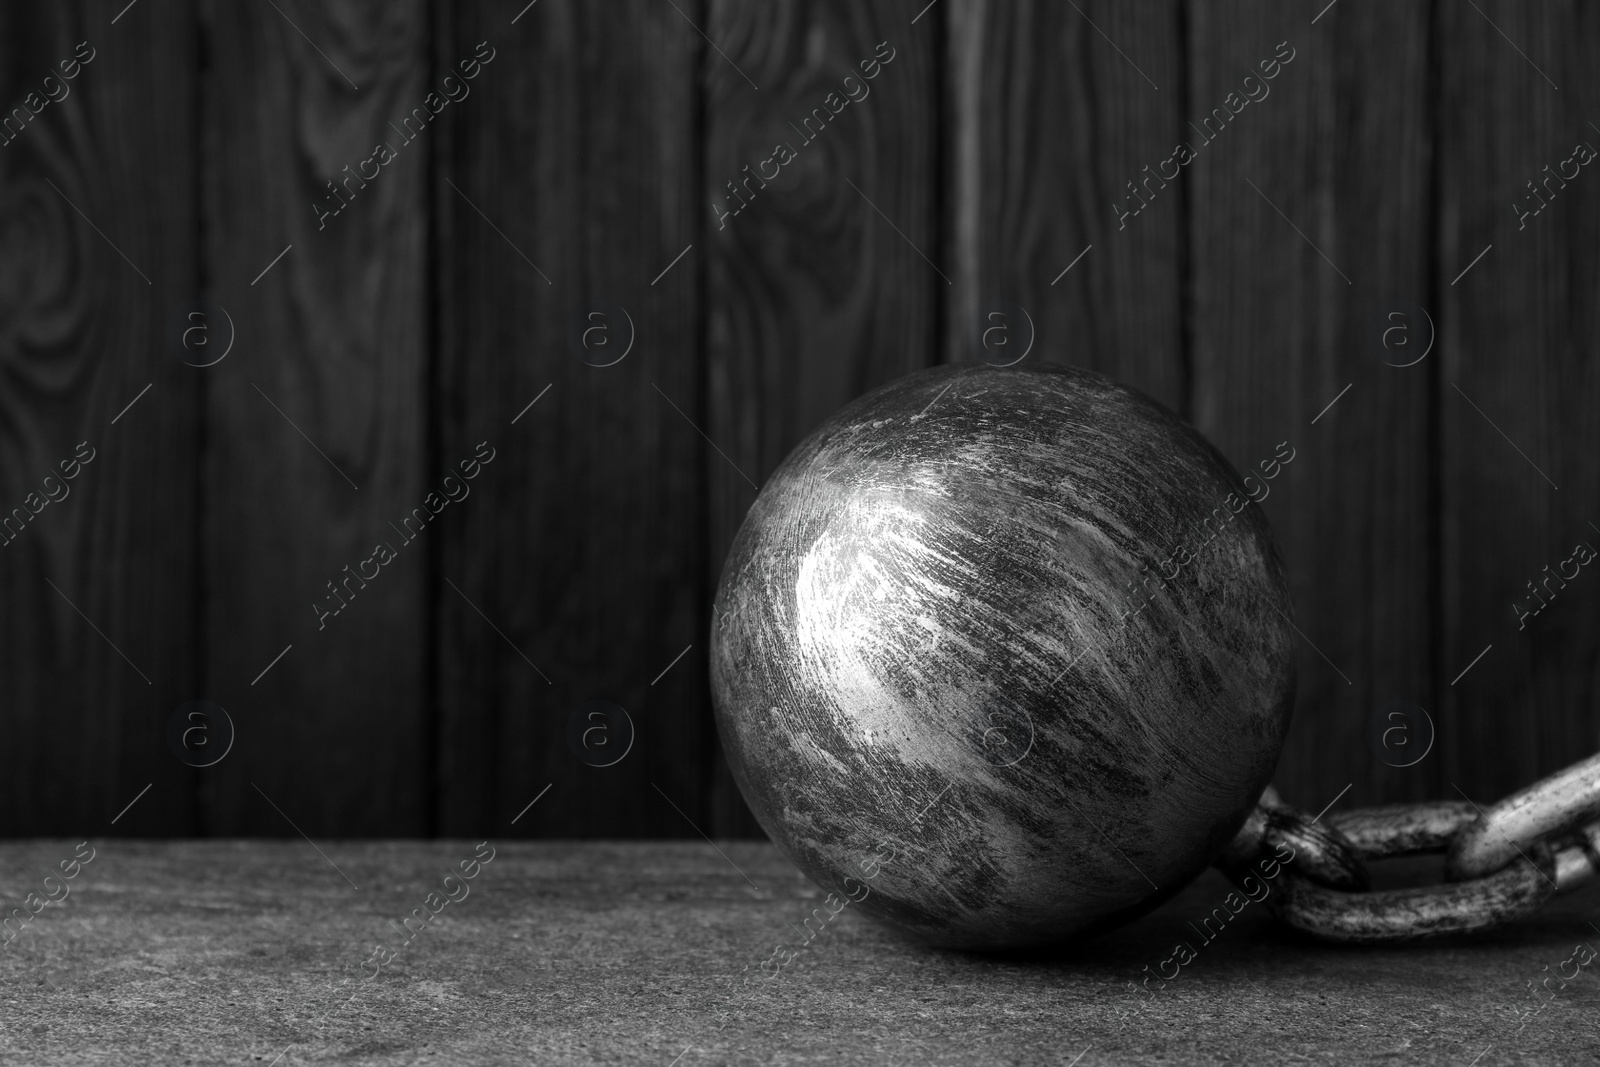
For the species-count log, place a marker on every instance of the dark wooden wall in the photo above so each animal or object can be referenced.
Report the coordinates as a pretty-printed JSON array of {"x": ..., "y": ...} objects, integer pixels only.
[{"x": 386, "y": 343}]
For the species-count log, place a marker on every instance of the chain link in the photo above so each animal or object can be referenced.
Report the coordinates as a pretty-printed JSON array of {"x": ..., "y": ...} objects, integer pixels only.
[
  {"x": 1405, "y": 829},
  {"x": 1546, "y": 807},
  {"x": 1579, "y": 863},
  {"x": 1502, "y": 863},
  {"x": 1321, "y": 853}
]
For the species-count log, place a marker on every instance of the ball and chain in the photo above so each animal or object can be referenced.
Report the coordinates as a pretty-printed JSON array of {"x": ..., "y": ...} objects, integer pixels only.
[{"x": 1501, "y": 863}]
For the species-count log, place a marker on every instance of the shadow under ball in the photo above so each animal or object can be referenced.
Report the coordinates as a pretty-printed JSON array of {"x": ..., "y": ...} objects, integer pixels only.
[{"x": 948, "y": 690}]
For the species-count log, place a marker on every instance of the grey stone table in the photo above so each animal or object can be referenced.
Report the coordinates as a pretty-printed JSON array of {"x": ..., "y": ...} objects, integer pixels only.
[{"x": 626, "y": 953}]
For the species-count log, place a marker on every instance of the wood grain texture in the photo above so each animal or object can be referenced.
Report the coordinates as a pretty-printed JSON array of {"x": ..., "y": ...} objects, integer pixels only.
[
  {"x": 96, "y": 246},
  {"x": 1311, "y": 216},
  {"x": 817, "y": 290},
  {"x": 570, "y": 187},
  {"x": 323, "y": 393},
  {"x": 1520, "y": 382},
  {"x": 596, "y": 147},
  {"x": 1048, "y": 120}
]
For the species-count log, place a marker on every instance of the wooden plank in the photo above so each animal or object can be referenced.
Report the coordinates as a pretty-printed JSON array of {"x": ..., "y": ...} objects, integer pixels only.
[
  {"x": 1310, "y": 218},
  {"x": 574, "y": 573},
  {"x": 98, "y": 637},
  {"x": 829, "y": 279},
  {"x": 1519, "y": 386},
  {"x": 316, "y": 423},
  {"x": 1054, "y": 110}
]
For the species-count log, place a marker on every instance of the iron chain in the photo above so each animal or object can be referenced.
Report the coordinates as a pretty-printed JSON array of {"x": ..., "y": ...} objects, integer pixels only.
[{"x": 1501, "y": 863}]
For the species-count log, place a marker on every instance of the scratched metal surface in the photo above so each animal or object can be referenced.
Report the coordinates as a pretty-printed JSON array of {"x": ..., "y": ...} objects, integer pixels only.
[
  {"x": 970, "y": 516},
  {"x": 631, "y": 953}
]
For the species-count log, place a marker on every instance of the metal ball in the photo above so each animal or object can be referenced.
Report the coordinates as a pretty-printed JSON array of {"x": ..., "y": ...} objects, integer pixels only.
[{"x": 1002, "y": 657}]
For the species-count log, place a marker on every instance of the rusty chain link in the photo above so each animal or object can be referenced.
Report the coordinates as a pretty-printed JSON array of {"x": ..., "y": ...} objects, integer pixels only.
[{"x": 1501, "y": 863}]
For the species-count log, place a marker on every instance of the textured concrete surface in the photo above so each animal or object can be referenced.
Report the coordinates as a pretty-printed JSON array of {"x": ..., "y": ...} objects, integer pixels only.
[{"x": 254, "y": 953}]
